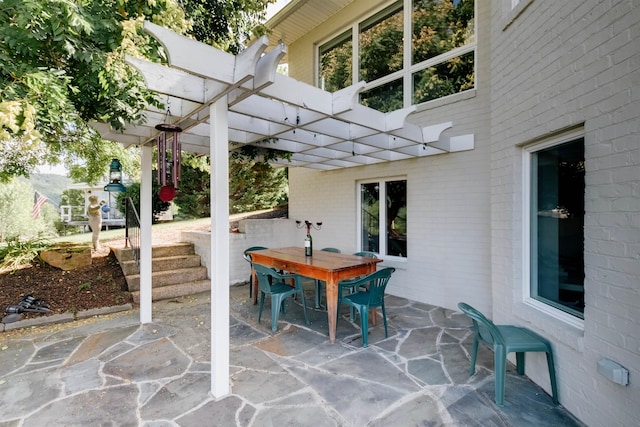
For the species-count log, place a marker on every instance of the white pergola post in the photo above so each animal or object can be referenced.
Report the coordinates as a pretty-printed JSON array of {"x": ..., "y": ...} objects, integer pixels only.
[
  {"x": 219, "y": 136},
  {"x": 146, "y": 213}
]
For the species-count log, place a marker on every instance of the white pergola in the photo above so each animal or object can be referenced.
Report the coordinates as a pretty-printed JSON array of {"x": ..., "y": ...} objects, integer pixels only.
[{"x": 216, "y": 97}]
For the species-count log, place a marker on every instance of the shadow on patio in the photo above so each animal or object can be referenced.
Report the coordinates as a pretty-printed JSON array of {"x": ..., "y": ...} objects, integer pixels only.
[{"x": 114, "y": 371}]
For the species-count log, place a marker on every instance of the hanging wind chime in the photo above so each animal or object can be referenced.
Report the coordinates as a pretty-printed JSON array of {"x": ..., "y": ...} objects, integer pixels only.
[{"x": 169, "y": 156}]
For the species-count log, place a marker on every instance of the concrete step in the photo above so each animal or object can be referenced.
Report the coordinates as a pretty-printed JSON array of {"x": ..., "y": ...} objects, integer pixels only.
[
  {"x": 129, "y": 268},
  {"x": 176, "y": 271},
  {"x": 157, "y": 251},
  {"x": 169, "y": 277},
  {"x": 174, "y": 291}
]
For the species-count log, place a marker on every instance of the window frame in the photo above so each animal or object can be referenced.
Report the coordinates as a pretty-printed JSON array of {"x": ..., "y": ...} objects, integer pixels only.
[
  {"x": 527, "y": 191},
  {"x": 382, "y": 242},
  {"x": 408, "y": 68}
]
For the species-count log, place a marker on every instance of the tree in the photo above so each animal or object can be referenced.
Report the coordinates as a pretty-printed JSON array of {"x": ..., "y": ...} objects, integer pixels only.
[
  {"x": 62, "y": 66},
  {"x": 133, "y": 192},
  {"x": 252, "y": 186},
  {"x": 226, "y": 24},
  {"x": 16, "y": 203},
  {"x": 256, "y": 185}
]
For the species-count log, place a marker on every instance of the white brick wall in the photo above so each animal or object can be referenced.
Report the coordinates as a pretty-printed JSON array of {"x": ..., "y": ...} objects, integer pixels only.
[
  {"x": 449, "y": 203},
  {"x": 253, "y": 232},
  {"x": 556, "y": 65}
]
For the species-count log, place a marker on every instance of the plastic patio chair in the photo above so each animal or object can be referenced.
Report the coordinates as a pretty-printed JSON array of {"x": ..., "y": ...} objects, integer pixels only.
[
  {"x": 272, "y": 283},
  {"x": 346, "y": 284},
  {"x": 247, "y": 258},
  {"x": 365, "y": 299},
  {"x": 320, "y": 283},
  {"x": 505, "y": 339}
]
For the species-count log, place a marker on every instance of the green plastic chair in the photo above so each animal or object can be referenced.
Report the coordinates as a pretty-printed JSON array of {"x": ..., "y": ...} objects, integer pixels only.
[
  {"x": 346, "y": 284},
  {"x": 505, "y": 339},
  {"x": 272, "y": 283},
  {"x": 320, "y": 283},
  {"x": 365, "y": 299},
  {"x": 247, "y": 258}
]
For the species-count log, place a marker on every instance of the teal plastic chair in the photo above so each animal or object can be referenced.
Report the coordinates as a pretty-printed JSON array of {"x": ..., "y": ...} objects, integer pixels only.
[
  {"x": 274, "y": 284},
  {"x": 320, "y": 283},
  {"x": 345, "y": 285},
  {"x": 371, "y": 295},
  {"x": 505, "y": 339},
  {"x": 247, "y": 258}
]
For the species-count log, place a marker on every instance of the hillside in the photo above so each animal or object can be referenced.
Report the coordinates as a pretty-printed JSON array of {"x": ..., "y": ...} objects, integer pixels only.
[{"x": 50, "y": 185}]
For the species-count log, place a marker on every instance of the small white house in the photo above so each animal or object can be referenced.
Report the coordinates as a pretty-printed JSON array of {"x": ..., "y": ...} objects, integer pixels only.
[{"x": 112, "y": 213}]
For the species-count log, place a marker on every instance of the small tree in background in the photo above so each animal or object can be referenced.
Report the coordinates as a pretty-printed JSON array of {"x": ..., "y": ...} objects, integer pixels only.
[
  {"x": 133, "y": 191},
  {"x": 252, "y": 186},
  {"x": 16, "y": 204},
  {"x": 256, "y": 186}
]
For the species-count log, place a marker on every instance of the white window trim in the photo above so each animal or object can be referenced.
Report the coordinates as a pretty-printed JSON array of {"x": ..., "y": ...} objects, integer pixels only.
[
  {"x": 382, "y": 216},
  {"x": 528, "y": 300}
]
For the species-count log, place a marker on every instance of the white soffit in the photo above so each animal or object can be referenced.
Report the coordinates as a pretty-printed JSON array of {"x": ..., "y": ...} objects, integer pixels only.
[{"x": 322, "y": 130}]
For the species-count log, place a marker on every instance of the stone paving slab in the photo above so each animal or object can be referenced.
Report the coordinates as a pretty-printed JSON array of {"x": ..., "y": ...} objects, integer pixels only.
[{"x": 110, "y": 370}]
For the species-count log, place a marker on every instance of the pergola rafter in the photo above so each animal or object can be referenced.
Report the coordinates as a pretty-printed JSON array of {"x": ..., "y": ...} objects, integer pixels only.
[{"x": 322, "y": 130}]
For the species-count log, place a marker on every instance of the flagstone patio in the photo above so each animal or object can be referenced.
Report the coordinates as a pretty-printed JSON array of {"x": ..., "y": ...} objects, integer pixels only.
[{"x": 114, "y": 371}]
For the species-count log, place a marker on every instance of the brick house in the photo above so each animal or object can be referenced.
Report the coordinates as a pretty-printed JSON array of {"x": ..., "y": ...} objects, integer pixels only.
[{"x": 554, "y": 110}]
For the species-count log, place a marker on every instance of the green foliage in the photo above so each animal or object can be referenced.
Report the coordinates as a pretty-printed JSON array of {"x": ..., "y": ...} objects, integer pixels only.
[
  {"x": 17, "y": 253},
  {"x": 16, "y": 203},
  {"x": 62, "y": 66},
  {"x": 381, "y": 48},
  {"x": 72, "y": 197},
  {"x": 225, "y": 24},
  {"x": 84, "y": 286},
  {"x": 256, "y": 185},
  {"x": 193, "y": 197},
  {"x": 336, "y": 65},
  {"x": 133, "y": 191},
  {"x": 252, "y": 186}
]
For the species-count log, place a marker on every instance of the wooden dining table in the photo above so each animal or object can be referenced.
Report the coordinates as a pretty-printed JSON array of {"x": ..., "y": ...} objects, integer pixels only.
[{"x": 328, "y": 266}]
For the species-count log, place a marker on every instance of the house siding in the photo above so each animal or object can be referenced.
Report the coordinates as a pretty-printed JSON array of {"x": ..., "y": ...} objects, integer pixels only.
[
  {"x": 561, "y": 65},
  {"x": 544, "y": 68},
  {"x": 448, "y": 195}
]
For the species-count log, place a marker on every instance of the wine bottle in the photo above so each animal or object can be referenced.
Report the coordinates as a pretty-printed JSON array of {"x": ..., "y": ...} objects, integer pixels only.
[{"x": 308, "y": 245}]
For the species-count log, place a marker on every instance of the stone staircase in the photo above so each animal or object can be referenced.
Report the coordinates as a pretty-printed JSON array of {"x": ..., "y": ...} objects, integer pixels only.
[{"x": 176, "y": 271}]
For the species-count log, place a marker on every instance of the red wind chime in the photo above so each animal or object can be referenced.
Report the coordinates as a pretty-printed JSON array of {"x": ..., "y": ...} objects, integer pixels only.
[{"x": 169, "y": 157}]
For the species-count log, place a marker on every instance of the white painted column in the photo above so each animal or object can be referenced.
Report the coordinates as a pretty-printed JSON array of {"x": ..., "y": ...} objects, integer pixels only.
[
  {"x": 219, "y": 141},
  {"x": 145, "y": 234}
]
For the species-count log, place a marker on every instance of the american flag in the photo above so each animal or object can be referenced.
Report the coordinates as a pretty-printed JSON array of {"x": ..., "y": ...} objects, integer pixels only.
[{"x": 38, "y": 201}]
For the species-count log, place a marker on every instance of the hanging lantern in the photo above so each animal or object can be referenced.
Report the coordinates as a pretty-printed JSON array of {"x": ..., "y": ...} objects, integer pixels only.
[
  {"x": 115, "y": 177},
  {"x": 169, "y": 157}
]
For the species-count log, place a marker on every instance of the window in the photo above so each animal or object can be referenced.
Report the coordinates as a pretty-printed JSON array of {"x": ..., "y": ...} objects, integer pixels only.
[
  {"x": 387, "y": 219},
  {"x": 556, "y": 225},
  {"x": 336, "y": 63},
  {"x": 431, "y": 57}
]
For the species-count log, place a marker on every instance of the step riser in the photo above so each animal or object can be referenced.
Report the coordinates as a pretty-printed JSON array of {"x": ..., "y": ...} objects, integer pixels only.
[
  {"x": 175, "y": 291},
  {"x": 163, "y": 264},
  {"x": 167, "y": 278},
  {"x": 162, "y": 251},
  {"x": 178, "y": 249}
]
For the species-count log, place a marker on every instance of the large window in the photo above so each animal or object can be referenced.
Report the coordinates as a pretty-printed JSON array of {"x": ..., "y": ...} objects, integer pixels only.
[
  {"x": 432, "y": 57},
  {"x": 557, "y": 183},
  {"x": 383, "y": 212}
]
